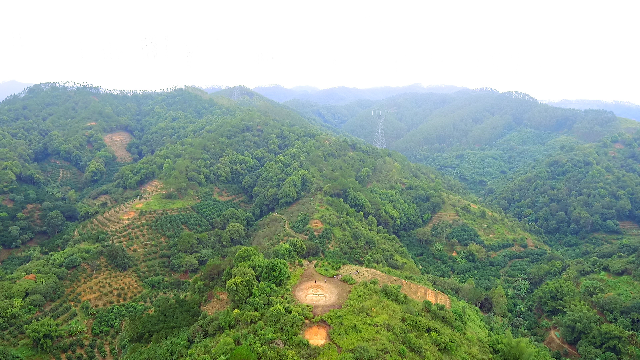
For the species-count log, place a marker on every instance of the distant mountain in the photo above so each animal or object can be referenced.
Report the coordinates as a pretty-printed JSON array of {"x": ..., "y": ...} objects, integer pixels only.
[
  {"x": 343, "y": 95},
  {"x": 620, "y": 108},
  {"x": 11, "y": 87}
]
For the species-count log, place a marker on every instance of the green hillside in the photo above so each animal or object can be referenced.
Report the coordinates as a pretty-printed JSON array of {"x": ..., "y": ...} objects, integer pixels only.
[{"x": 180, "y": 224}]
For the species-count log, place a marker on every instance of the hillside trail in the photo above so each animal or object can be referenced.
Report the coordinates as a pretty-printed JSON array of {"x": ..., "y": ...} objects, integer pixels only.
[
  {"x": 415, "y": 291},
  {"x": 286, "y": 226},
  {"x": 554, "y": 343}
]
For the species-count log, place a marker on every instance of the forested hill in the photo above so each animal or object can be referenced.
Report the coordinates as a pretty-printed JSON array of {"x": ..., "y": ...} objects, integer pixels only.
[
  {"x": 488, "y": 140},
  {"x": 620, "y": 108},
  {"x": 180, "y": 224}
]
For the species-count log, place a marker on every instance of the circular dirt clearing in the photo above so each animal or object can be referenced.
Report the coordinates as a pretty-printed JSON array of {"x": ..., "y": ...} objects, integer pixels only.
[
  {"x": 317, "y": 335},
  {"x": 320, "y": 292}
]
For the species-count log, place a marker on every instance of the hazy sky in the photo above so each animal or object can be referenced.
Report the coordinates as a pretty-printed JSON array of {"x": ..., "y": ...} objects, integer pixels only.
[{"x": 548, "y": 49}]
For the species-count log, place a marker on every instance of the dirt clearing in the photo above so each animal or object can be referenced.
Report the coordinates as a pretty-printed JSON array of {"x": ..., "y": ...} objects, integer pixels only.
[
  {"x": 317, "y": 334},
  {"x": 118, "y": 142},
  {"x": 317, "y": 226},
  {"x": 217, "y": 302},
  {"x": 321, "y": 292}
]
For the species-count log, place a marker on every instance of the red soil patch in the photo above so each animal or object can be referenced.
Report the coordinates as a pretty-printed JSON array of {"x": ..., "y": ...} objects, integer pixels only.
[
  {"x": 139, "y": 205},
  {"x": 412, "y": 290},
  {"x": 317, "y": 226},
  {"x": 129, "y": 215},
  {"x": 91, "y": 123},
  {"x": 454, "y": 253},
  {"x": 618, "y": 146},
  {"x": 318, "y": 334},
  {"x": 118, "y": 141},
  {"x": 217, "y": 302},
  {"x": 612, "y": 153},
  {"x": 7, "y": 202},
  {"x": 321, "y": 292},
  {"x": 30, "y": 277}
]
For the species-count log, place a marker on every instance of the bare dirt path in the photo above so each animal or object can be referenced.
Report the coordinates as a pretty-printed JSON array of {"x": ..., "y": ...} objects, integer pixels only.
[
  {"x": 555, "y": 343},
  {"x": 286, "y": 226},
  {"x": 411, "y": 289}
]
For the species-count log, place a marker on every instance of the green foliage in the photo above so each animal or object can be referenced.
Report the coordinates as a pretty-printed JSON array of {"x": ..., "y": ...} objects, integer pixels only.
[
  {"x": 348, "y": 279},
  {"x": 241, "y": 285},
  {"x": 169, "y": 315},
  {"x": 43, "y": 333},
  {"x": 118, "y": 256},
  {"x": 111, "y": 318}
]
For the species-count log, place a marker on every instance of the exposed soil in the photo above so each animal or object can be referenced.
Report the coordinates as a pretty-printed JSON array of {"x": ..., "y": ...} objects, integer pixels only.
[
  {"x": 412, "y": 290},
  {"x": 442, "y": 216},
  {"x": 217, "y": 302},
  {"x": 129, "y": 214},
  {"x": 118, "y": 142},
  {"x": 317, "y": 226},
  {"x": 33, "y": 211},
  {"x": 317, "y": 334},
  {"x": 618, "y": 146},
  {"x": 152, "y": 187},
  {"x": 4, "y": 254},
  {"x": 554, "y": 343},
  {"x": 7, "y": 202},
  {"x": 321, "y": 292},
  {"x": 106, "y": 286},
  {"x": 530, "y": 243}
]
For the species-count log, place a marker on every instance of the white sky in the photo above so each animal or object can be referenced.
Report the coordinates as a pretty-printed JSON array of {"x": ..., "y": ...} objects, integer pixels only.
[{"x": 548, "y": 49}]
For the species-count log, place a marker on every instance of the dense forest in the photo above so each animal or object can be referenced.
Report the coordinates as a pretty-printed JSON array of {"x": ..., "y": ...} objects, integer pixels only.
[{"x": 182, "y": 224}]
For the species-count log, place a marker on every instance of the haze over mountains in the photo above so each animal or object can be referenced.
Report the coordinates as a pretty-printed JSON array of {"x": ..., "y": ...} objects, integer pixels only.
[
  {"x": 11, "y": 87},
  {"x": 622, "y": 109}
]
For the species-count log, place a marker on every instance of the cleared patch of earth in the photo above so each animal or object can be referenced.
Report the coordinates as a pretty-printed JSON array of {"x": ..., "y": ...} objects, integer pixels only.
[
  {"x": 317, "y": 334},
  {"x": 317, "y": 226},
  {"x": 217, "y": 302},
  {"x": 321, "y": 292},
  {"x": 7, "y": 202},
  {"x": 411, "y": 289},
  {"x": 129, "y": 214},
  {"x": 118, "y": 142}
]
